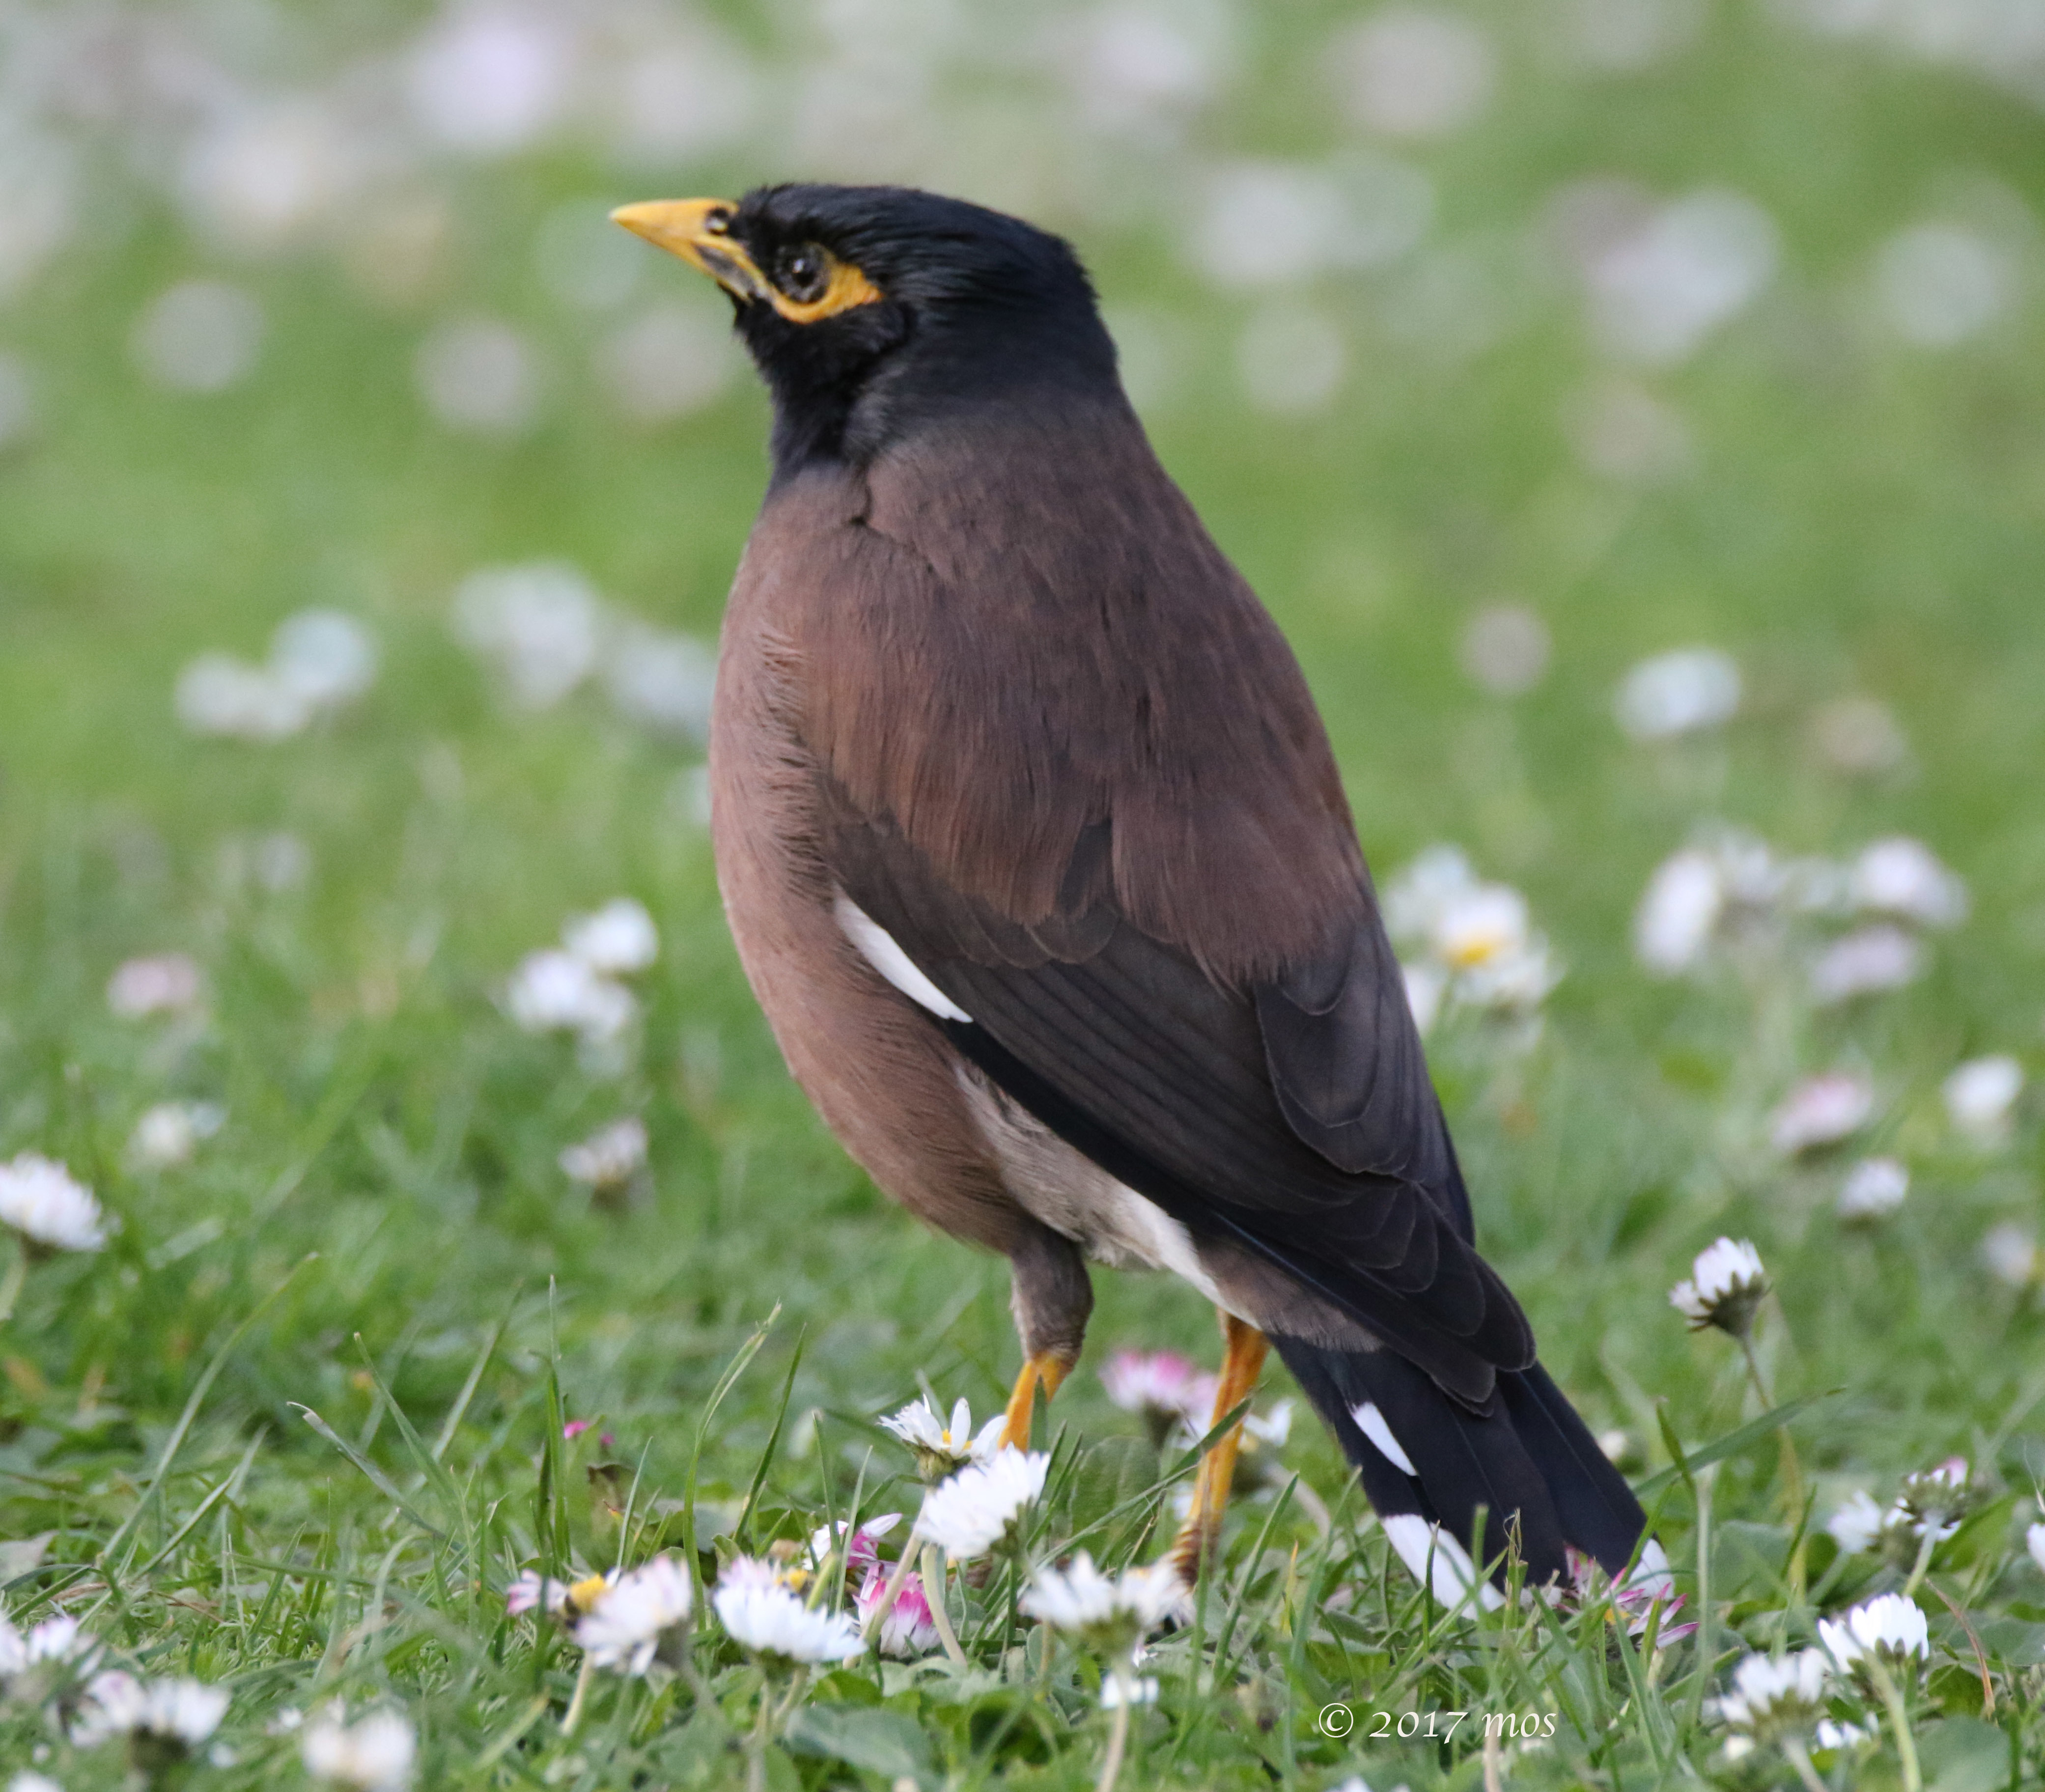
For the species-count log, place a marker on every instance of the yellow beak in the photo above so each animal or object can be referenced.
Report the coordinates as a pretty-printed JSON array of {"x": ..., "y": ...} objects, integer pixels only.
[{"x": 698, "y": 231}]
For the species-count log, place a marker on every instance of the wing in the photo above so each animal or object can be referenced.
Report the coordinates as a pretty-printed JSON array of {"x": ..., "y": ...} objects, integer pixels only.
[
  {"x": 1068, "y": 764},
  {"x": 1294, "y": 1117}
]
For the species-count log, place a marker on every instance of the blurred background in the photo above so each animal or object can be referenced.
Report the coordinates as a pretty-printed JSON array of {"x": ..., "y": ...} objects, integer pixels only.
[{"x": 1633, "y": 410}]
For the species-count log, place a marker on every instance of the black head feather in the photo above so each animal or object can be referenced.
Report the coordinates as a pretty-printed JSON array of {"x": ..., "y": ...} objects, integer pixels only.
[{"x": 976, "y": 309}]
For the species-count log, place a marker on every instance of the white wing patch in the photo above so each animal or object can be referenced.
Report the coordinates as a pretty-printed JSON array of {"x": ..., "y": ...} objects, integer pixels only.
[
  {"x": 1438, "y": 1561},
  {"x": 876, "y": 945},
  {"x": 1370, "y": 1421}
]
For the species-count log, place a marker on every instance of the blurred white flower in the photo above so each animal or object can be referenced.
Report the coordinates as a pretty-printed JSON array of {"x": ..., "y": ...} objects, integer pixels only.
[
  {"x": 1874, "y": 1187},
  {"x": 1291, "y": 357},
  {"x": 323, "y": 657},
  {"x": 1821, "y": 1110},
  {"x": 661, "y": 680},
  {"x": 1679, "y": 913},
  {"x": 38, "y": 201},
  {"x": 617, "y": 940},
  {"x": 2034, "y": 1541},
  {"x": 1858, "y": 737},
  {"x": 218, "y": 694},
  {"x": 1621, "y": 431},
  {"x": 162, "y": 983},
  {"x": 1161, "y": 1385},
  {"x": 1481, "y": 948},
  {"x": 1939, "y": 284},
  {"x": 1274, "y": 224},
  {"x": 1110, "y": 1612},
  {"x": 540, "y": 625},
  {"x": 54, "y": 1639},
  {"x": 1415, "y": 72},
  {"x": 1423, "y": 889},
  {"x": 276, "y": 862},
  {"x": 668, "y": 362},
  {"x": 1624, "y": 36},
  {"x": 1903, "y": 876},
  {"x": 556, "y": 992},
  {"x": 374, "y": 1754},
  {"x": 1858, "y": 1525},
  {"x": 610, "y": 1157},
  {"x": 1866, "y": 961},
  {"x": 42, "y": 1201},
  {"x": 181, "y": 1712},
  {"x": 259, "y": 175},
  {"x": 1980, "y": 1095},
  {"x": 974, "y": 1511},
  {"x": 2011, "y": 1255},
  {"x": 766, "y": 1618},
  {"x": 1135, "y": 63},
  {"x": 29, "y": 1780},
  {"x": 17, "y": 401},
  {"x": 168, "y": 1133},
  {"x": 631, "y": 1618},
  {"x": 1768, "y": 1697},
  {"x": 1725, "y": 1285},
  {"x": 202, "y": 336},
  {"x": 1505, "y": 648},
  {"x": 1889, "y": 1626},
  {"x": 478, "y": 375},
  {"x": 942, "y": 1447},
  {"x": 1657, "y": 292},
  {"x": 677, "y": 90},
  {"x": 1678, "y": 693},
  {"x": 489, "y": 79},
  {"x": 1830, "y": 1735}
]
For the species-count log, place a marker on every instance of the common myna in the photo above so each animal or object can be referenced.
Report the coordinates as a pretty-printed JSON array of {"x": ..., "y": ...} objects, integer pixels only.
[{"x": 1037, "y": 859}]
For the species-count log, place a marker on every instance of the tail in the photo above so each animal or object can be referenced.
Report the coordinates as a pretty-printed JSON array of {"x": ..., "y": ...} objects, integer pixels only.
[{"x": 1428, "y": 1462}]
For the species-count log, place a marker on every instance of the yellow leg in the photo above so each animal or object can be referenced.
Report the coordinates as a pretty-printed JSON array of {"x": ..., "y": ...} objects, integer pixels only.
[
  {"x": 1243, "y": 1361},
  {"x": 1045, "y": 1367}
]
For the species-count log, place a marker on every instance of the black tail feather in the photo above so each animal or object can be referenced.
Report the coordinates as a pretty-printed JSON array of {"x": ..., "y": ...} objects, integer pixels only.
[{"x": 1527, "y": 1459}]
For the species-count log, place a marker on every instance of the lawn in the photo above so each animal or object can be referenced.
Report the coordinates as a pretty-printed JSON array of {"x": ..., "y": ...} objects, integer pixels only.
[{"x": 1505, "y": 348}]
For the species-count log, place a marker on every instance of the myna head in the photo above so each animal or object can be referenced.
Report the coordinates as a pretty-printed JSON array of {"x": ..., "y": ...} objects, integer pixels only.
[{"x": 872, "y": 310}]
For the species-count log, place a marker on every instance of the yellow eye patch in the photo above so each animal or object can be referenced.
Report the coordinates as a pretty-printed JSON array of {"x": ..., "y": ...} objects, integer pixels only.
[{"x": 699, "y": 232}]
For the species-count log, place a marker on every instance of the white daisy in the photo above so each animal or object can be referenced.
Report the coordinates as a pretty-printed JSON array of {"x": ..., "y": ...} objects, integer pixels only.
[
  {"x": 616, "y": 941},
  {"x": 1769, "y": 1696},
  {"x": 630, "y": 1618},
  {"x": 554, "y": 992},
  {"x": 1679, "y": 913},
  {"x": 54, "y": 1639},
  {"x": 40, "y": 1199},
  {"x": 1821, "y": 1110},
  {"x": 1682, "y": 693},
  {"x": 942, "y": 1447},
  {"x": 374, "y": 1754},
  {"x": 1110, "y": 1612},
  {"x": 1727, "y": 1283},
  {"x": 2011, "y": 1255},
  {"x": 167, "y": 1133},
  {"x": 969, "y": 1514},
  {"x": 163, "y": 983},
  {"x": 1832, "y": 1735},
  {"x": 610, "y": 1157},
  {"x": 1874, "y": 1187},
  {"x": 568, "y": 1600},
  {"x": 1858, "y": 1525},
  {"x": 2034, "y": 1540},
  {"x": 766, "y": 1619},
  {"x": 1904, "y": 877},
  {"x": 182, "y": 1712},
  {"x": 29, "y": 1781},
  {"x": 1888, "y": 1626},
  {"x": 1980, "y": 1095}
]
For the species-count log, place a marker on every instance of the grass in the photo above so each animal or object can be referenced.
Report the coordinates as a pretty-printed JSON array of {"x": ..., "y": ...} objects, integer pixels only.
[{"x": 380, "y": 1236}]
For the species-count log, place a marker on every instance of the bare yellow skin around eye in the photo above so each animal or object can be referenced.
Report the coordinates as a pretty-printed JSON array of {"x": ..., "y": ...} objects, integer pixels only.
[{"x": 698, "y": 231}]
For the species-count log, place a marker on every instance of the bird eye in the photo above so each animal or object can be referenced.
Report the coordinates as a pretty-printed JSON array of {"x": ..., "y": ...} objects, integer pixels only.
[
  {"x": 804, "y": 273},
  {"x": 718, "y": 221}
]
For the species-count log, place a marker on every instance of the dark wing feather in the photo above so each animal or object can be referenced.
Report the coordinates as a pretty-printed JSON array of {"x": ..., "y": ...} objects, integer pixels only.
[{"x": 1294, "y": 1117}]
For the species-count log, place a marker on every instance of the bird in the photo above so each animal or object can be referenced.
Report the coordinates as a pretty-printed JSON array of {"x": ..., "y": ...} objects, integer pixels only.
[{"x": 1035, "y": 854}]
